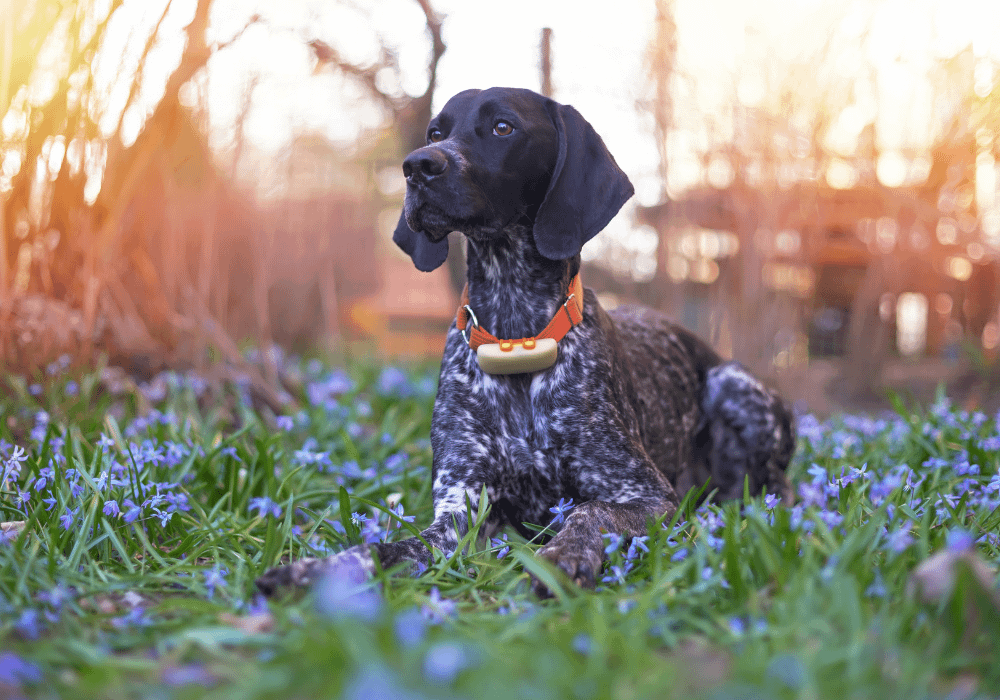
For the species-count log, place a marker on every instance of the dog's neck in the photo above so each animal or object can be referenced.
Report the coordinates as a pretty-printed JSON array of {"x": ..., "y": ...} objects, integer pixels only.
[{"x": 513, "y": 289}]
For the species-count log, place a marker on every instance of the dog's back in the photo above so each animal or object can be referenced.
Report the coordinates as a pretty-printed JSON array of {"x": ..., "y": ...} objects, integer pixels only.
[{"x": 733, "y": 426}]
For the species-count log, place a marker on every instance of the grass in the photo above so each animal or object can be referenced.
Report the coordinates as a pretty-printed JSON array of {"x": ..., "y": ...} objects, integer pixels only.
[{"x": 132, "y": 575}]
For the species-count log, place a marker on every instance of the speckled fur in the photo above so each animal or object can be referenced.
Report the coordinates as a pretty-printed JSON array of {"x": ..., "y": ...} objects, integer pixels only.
[{"x": 635, "y": 412}]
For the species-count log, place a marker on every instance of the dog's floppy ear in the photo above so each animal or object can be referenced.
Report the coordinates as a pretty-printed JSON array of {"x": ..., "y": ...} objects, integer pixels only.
[
  {"x": 425, "y": 253},
  {"x": 586, "y": 191}
]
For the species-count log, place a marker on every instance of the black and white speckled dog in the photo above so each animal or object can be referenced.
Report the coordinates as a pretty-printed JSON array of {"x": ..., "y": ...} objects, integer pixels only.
[{"x": 635, "y": 410}]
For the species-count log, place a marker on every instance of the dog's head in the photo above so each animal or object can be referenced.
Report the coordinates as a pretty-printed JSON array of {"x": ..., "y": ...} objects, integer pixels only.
[{"x": 502, "y": 156}]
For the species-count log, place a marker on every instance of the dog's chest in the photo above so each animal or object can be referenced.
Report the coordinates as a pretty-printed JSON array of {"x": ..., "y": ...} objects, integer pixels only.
[{"x": 511, "y": 413}]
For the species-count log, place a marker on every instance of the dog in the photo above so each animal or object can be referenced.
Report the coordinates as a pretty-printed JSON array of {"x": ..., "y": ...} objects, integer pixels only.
[{"x": 630, "y": 411}]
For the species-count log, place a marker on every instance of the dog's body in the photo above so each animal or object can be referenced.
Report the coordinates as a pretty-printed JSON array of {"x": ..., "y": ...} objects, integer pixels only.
[{"x": 634, "y": 412}]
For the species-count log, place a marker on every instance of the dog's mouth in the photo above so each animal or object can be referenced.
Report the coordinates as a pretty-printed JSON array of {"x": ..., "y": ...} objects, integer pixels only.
[
  {"x": 430, "y": 220},
  {"x": 436, "y": 223}
]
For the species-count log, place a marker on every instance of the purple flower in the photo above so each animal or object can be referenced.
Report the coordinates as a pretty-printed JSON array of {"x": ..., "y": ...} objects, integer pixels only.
[
  {"x": 877, "y": 588},
  {"x": 66, "y": 519},
  {"x": 396, "y": 462},
  {"x": 501, "y": 542},
  {"x": 959, "y": 540},
  {"x": 819, "y": 474},
  {"x": 15, "y": 671},
  {"x": 111, "y": 508},
  {"x": 136, "y": 617},
  {"x": 398, "y": 513},
  {"x": 265, "y": 506},
  {"x": 635, "y": 545},
  {"x": 444, "y": 661},
  {"x": 188, "y": 674},
  {"x": 410, "y": 627},
  {"x": 214, "y": 578},
  {"x": 393, "y": 382},
  {"x": 29, "y": 624},
  {"x": 285, "y": 423},
  {"x": 56, "y": 596},
  {"x": 617, "y": 573},
  {"x": 770, "y": 501},
  {"x": 614, "y": 542},
  {"x": 438, "y": 609},
  {"x": 342, "y": 592},
  {"x": 560, "y": 509},
  {"x": 133, "y": 512}
]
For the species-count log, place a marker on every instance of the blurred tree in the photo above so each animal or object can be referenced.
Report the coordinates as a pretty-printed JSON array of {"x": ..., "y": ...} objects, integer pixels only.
[
  {"x": 78, "y": 267},
  {"x": 409, "y": 114}
]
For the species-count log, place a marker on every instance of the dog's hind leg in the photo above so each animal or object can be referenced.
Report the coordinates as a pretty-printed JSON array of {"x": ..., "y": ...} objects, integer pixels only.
[{"x": 745, "y": 431}]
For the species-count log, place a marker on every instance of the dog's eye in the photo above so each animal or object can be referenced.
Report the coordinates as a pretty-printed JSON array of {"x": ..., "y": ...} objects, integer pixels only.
[
  {"x": 503, "y": 128},
  {"x": 434, "y": 135}
]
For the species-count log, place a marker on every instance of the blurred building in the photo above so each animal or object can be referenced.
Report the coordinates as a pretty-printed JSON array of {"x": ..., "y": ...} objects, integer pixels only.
[{"x": 837, "y": 254}]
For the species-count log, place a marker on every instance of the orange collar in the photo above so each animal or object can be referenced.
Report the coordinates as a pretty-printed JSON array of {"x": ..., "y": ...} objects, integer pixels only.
[{"x": 503, "y": 356}]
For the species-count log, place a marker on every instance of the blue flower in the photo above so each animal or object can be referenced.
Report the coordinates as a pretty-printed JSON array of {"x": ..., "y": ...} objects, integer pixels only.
[
  {"x": 770, "y": 501},
  {"x": 341, "y": 592},
  {"x": 398, "y": 513},
  {"x": 501, "y": 542},
  {"x": 133, "y": 512},
  {"x": 899, "y": 540},
  {"x": 214, "y": 578},
  {"x": 66, "y": 519},
  {"x": 614, "y": 542},
  {"x": 29, "y": 624},
  {"x": 410, "y": 627},
  {"x": 285, "y": 423},
  {"x": 959, "y": 540},
  {"x": 444, "y": 661},
  {"x": 635, "y": 545},
  {"x": 396, "y": 462},
  {"x": 560, "y": 509},
  {"x": 56, "y": 596},
  {"x": 14, "y": 671},
  {"x": 618, "y": 573},
  {"x": 877, "y": 588},
  {"x": 265, "y": 506},
  {"x": 136, "y": 617},
  {"x": 393, "y": 382},
  {"x": 819, "y": 474},
  {"x": 188, "y": 674},
  {"x": 438, "y": 609}
]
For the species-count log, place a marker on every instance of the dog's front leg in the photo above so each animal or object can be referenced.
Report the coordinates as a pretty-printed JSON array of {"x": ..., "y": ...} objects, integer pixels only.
[
  {"x": 449, "y": 526},
  {"x": 578, "y": 549}
]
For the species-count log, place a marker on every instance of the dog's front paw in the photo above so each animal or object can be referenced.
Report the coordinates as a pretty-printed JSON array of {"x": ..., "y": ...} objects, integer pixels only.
[
  {"x": 355, "y": 564},
  {"x": 578, "y": 562}
]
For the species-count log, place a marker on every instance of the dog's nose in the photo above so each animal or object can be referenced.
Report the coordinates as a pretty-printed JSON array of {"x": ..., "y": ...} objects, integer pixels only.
[{"x": 424, "y": 164}]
